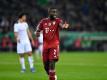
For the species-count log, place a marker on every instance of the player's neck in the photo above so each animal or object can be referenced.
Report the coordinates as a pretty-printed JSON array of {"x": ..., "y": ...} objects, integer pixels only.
[
  {"x": 51, "y": 19},
  {"x": 20, "y": 21}
]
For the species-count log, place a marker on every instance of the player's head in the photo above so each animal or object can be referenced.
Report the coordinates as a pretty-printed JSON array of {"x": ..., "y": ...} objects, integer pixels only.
[
  {"x": 22, "y": 16},
  {"x": 53, "y": 12}
]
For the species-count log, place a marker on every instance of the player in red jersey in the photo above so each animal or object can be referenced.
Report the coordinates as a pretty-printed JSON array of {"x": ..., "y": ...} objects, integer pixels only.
[{"x": 50, "y": 27}]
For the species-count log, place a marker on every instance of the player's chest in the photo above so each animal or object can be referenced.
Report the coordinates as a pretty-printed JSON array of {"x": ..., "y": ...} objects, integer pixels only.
[
  {"x": 22, "y": 28},
  {"x": 50, "y": 26}
]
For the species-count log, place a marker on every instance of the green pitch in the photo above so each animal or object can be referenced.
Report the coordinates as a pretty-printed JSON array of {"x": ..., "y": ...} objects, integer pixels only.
[{"x": 75, "y": 66}]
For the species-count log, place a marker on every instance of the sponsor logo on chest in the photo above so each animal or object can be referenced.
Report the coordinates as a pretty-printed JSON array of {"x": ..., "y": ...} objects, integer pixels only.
[{"x": 50, "y": 24}]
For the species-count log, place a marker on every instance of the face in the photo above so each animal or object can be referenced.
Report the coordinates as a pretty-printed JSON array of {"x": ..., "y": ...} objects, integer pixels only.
[
  {"x": 53, "y": 13},
  {"x": 24, "y": 17}
]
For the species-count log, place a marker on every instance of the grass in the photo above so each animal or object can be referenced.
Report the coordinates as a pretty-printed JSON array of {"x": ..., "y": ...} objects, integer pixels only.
[{"x": 74, "y": 66}]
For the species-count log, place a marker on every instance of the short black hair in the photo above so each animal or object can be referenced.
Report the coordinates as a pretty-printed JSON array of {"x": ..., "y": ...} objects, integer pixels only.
[
  {"x": 49, "y": 9},
  {"x": 22, "y": 14}
]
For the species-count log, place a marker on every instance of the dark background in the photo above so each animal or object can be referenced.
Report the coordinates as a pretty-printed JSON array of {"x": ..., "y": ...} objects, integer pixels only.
[{"x": 87, "y": 18}]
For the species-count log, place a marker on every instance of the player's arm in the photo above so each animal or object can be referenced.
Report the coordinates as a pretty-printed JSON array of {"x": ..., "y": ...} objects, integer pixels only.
[
  {"x": 63, "y": 24},
  {"x": 16, "y": 33},
  {"x": 30, "y": 36},
  {"x": 16, "y": 37},
  {"x": 38, "y": 29}
]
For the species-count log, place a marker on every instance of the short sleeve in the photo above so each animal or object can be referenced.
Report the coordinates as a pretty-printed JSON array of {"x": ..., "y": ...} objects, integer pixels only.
[
  {"x": 27, "y": 26},
  {"x": 15, "y": 28},
  {"x": 60, "y": 20},
  {"x": 40, "y": 25}
]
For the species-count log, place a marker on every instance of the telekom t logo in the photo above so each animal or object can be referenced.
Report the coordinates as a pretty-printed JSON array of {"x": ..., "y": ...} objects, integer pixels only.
[{"x": 46, "y": 30}]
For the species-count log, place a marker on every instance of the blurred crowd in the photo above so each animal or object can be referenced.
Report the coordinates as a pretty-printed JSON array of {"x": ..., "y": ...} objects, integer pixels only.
[{"x": 83, "y": 15}]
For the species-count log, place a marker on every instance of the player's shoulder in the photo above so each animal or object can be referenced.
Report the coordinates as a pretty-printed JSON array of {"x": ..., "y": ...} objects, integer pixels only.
[
  {"x": 44, "y": 19},
  {"x": 16, "y": 25},
  {"x": 25, "y": 23},
  {"x": 58, "y": 19}
]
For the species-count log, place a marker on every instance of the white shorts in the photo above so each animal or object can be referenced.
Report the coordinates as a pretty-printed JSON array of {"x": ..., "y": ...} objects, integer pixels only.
[{"x": 23, "y": 48}]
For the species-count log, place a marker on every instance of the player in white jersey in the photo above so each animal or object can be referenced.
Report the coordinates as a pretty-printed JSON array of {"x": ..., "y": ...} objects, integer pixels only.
[
  {"x": 39, "y": 49},
  {"x": 40, "y": 38},
  {"x": 22, "y": 36}
]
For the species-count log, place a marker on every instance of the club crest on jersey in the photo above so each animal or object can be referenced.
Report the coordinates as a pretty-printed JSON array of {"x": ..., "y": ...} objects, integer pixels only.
[
  {"x": 53, "y": 22},
  {"x": 49, "y": 24},
  {"x": 45, "y": 24}
]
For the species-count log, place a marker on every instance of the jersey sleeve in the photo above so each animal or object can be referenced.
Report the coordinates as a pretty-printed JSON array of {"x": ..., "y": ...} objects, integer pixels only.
[
  {"x": 15, "y": 28},
  {"x": 60, "y": 20},
  {"x": 27, "y": 26},
  {"x": 40, "y": 25}
]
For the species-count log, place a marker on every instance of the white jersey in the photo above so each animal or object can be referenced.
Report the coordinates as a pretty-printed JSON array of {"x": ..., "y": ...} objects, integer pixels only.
[
  {"x": 24, "y": 45},
  {"x": 40, "y": 38},
  {"x": 21, "y": 29}
]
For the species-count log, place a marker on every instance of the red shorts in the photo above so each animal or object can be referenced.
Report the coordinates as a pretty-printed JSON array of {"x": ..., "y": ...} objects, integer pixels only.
[{"x": 50, "y": 54}]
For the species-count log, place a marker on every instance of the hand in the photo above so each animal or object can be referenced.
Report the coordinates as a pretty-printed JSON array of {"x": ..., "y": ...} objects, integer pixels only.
[{"x": 66, "y": 25}]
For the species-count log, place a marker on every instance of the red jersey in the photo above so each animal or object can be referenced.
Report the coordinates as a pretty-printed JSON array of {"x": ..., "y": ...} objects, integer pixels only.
[{"x": 50, "y": 32}]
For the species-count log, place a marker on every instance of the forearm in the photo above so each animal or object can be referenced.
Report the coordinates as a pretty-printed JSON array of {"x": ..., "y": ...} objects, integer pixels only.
[
  {"x": 29, "y": 34},
  {"x": 61, "y": 25},
  {"x": 37, "y": 33}
]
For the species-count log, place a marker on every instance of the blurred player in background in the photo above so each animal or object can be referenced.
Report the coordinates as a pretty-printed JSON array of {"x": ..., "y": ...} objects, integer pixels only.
[
  {"x": 50, "y": 27},
  {"x": 39, "y": 45},
  {"x": 22, "y": 35}
]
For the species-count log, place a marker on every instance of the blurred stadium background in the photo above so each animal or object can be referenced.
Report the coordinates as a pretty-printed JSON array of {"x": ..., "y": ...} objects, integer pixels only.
[
  {"x": 87, "y": 18},
  {"x": 88, "y": 32}
]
